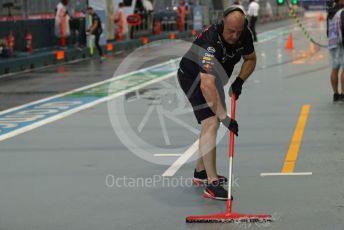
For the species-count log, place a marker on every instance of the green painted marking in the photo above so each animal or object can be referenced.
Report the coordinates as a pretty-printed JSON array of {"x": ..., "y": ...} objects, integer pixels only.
[{"x": 121, "y": 84}]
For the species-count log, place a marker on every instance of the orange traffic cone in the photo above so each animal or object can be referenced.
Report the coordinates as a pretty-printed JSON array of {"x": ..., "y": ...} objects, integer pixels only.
[
  {"x": 289, "y": 44},
  {"x": 145, "y": 40}
]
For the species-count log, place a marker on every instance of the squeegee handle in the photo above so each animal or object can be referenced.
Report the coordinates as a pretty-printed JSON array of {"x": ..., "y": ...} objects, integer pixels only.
[
  {"x": 231, "y": 154},
  {"x": 231, "y": 136}
]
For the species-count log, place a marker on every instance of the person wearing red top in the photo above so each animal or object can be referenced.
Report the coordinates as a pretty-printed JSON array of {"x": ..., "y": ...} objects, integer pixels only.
[
  {"x": 182, "y": 12},
  {"x": 120, "y": 22}
]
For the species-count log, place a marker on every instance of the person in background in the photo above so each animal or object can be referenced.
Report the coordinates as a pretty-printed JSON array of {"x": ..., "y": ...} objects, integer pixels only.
[
  {"x": 96, "y": 30},
  {"x": 62, "y": 27},
  {"x": 148, "y": 9},
  {"x": 148, "y": 6},
  {"x": 269, "y": 10},
  {"x": 121, "y": 27},
  {"x": 5, "y": 51},
  {"x": 182, "y": 12},
  {"x": 2, "y": 46},
  {"x": 335, "y": 33},
  {"x": 252, "y": 12},
  {"x": 74, "y": 29}
]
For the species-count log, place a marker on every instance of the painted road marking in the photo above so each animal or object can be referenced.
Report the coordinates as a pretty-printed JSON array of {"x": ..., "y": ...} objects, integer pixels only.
[
  {"x": 168, "y": 155},
  {"x": 181, "y": 160},
  {"x": 62, "y": 115},
  {"x": 294, "y": 147},
  {"x": 24, "y": 118},
  {"x": 88, "y": 86},
  {"x": 287, "y": 174}
]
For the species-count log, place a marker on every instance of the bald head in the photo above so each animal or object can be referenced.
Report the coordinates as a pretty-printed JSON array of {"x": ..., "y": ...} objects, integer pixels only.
[
  {"x": 233, "y": 26},
  {"x": 235, "y": 18}
]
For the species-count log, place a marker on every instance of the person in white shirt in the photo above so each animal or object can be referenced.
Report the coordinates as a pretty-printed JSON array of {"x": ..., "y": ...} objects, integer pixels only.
[
  {"x": 147, "y": 5},
  {"x": 252, "y": 12}
]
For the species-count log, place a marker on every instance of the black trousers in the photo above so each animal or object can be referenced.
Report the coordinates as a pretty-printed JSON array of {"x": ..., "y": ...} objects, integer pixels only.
[
  {"x": 96, "y": 42},
  {"x": 252, "y": 26}
]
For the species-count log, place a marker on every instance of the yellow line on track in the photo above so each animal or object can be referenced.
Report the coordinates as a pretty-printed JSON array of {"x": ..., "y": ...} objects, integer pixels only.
[{"x": 290, "y": 159}]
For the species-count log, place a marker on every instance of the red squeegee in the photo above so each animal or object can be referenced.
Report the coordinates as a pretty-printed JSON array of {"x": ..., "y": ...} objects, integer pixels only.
[{"x": 229, "y": 216}]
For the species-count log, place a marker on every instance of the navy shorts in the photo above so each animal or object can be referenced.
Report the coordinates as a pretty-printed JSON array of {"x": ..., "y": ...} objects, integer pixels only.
[{"x": 192, "y": 90}]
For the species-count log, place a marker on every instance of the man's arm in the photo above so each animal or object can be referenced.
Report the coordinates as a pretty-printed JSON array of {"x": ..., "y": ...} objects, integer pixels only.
[
  {"x": 213, "y": 99},
  {"x": 246, "y": 70},
  {"x": 248, "y": 66},
  {"x": 94, "y": 26},
  {"x": 211, "y": 95}
]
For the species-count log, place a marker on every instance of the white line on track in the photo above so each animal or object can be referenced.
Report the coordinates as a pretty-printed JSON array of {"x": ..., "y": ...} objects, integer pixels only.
[
  {"x": 168, "y": 155},
  {"x": 89, "y": 86},
  {"x": 78, "y": 109},
  {"x": 287, "y": 174},
  {"x": 181, "y": 160}
]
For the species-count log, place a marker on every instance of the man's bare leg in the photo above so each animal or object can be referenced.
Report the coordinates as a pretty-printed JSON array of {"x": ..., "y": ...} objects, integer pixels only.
[
  {"x": 334, "y": 80},
  {"x": 199, "y": 164},
  {"x": 207, "y": 147},
  {"x": 342, "y": 81}
]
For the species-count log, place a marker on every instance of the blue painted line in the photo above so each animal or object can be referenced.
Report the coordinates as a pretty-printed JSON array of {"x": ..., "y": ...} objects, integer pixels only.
[
  {"x": 20, "y": 118},
  {"x": 41, "y": 111}
]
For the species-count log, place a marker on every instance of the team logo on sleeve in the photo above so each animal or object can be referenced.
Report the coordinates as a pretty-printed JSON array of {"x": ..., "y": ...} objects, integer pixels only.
[
  {"x": 208, "y": 67},
  {"x": 207, "y": 64},
  {"x": 211, "y": 49},
  {"x": 208, "y": 60}
]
